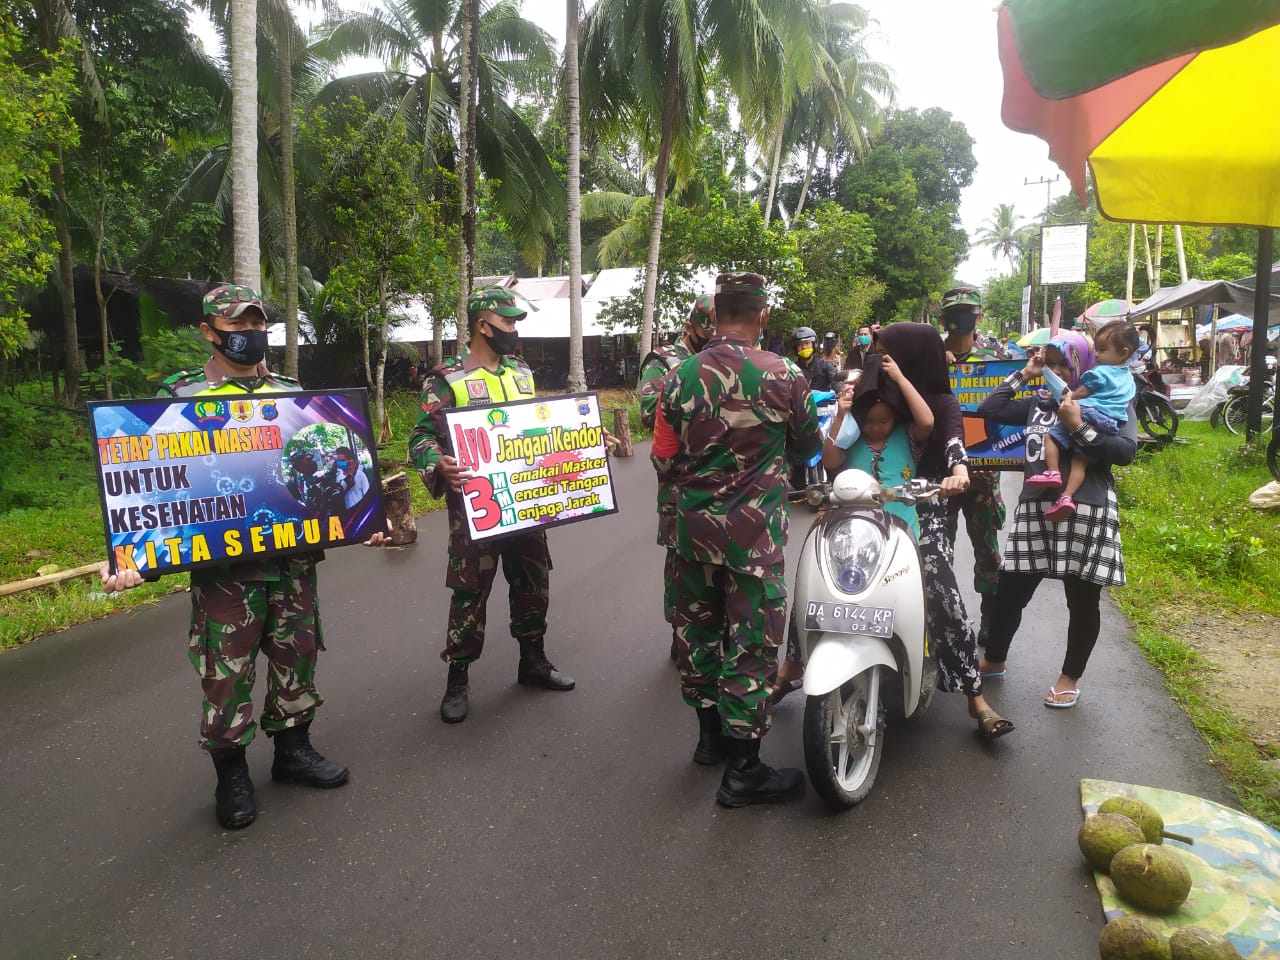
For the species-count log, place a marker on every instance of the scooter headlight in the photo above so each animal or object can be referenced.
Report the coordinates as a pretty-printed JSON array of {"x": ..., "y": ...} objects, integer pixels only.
[{"x": 853, "y": 553}]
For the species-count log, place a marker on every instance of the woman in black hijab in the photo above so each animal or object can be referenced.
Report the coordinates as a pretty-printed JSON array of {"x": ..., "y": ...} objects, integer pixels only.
[{"x": 918, "y": 351}]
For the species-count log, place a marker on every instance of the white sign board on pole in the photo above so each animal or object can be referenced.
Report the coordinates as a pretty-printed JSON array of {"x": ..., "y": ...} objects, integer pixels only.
[
  {"x": 1064, "y": 252},
  {"x": 1026, "y": 309}
]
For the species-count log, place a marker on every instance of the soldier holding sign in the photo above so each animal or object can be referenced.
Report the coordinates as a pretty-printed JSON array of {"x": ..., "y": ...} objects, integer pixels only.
[
  {"x": 728, "y": 419},
  {"x": 488, "y": 373},
  {"x": 237, "y": 610},
  {"x": 698, "y": 329}
]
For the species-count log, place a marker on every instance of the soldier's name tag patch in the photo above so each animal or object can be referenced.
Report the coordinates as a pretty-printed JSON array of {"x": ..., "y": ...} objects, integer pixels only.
[
  {"x": 523, "y": 384},
  {"x": 478, "y": 391}
]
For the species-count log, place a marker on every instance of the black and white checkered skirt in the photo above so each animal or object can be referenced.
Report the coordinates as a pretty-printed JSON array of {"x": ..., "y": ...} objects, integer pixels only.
[{"x": 1085, "y": 546}]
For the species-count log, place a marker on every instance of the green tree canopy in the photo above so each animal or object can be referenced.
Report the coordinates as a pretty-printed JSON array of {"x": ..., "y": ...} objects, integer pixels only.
[{"x": 35, "y": 121}]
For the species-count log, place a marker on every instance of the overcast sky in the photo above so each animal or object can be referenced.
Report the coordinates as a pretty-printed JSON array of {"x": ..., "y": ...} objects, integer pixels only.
[{"x": 942, "y": 54}]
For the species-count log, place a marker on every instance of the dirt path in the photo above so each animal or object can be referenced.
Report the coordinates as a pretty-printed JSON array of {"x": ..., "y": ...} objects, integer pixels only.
[{"x": 1245, "y": 655}]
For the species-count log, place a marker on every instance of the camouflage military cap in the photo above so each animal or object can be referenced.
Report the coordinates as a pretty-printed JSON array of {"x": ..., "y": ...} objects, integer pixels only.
[
  {"x": 703, "y": 315},
  {"x": 231, "y": 299},
  {"x": 742, "y": 284},
  {"x": 967, "y": 298},
  {"x": 960, "y": 309},
  {"x": 498, "y": 299}
]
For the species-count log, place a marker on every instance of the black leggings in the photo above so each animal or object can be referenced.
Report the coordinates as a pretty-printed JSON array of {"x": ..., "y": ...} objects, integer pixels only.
[{"x": 1015, "y": 591}]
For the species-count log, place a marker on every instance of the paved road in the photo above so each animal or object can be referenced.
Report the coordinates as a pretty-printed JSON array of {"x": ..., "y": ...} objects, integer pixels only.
[{"x": 547, "y": 825}]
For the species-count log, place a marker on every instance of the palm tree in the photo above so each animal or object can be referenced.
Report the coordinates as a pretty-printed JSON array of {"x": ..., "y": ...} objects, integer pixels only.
[
  {"x": 645, "y": 66},
  {"x": 468, "y": 84},
  {"x": 281, "y": 42},
  {"x": 577, "y": 376},
  {"x": 420, "y": 40},
  {"x": 1002, "y": 234},
  {"x": 842, "y": 115},
  {"x": 246, "y": 266}
]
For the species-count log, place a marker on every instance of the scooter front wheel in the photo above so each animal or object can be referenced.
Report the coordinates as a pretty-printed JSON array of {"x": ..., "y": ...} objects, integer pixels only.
[{"x": 844, "y": 740}]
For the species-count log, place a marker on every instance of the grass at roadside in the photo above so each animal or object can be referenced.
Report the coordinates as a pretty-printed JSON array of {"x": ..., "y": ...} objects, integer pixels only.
[
  {"x": 50, "y": 516},
  {"x": 1194, "y": 549}
]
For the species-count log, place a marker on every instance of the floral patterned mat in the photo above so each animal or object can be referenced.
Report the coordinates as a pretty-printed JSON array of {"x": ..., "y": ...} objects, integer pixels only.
[{"x": 1234, "y": 864}]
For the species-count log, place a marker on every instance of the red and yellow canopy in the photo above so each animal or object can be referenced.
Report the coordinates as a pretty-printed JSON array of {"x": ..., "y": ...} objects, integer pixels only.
[{"x": 1173, "y": 104}]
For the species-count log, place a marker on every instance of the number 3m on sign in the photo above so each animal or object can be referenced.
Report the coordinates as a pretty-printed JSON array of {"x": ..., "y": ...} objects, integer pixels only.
[{"x": 485, "y": 511}]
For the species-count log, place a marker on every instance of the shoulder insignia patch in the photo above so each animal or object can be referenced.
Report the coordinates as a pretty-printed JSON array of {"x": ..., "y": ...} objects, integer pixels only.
[
  {"x": 478, "y": 391},
  {"x": 523, "y": 384}
]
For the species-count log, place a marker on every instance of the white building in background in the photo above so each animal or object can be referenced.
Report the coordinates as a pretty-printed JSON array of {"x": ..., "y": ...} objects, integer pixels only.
[{"x": 609, "y": 356}]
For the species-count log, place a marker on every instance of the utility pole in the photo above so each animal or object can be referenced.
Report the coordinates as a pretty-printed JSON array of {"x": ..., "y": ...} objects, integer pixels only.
[{"x": 1048, "y": 183}]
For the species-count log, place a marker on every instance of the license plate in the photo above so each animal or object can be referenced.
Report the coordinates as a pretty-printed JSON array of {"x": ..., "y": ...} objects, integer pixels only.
[{"x": 849, "y": 618}]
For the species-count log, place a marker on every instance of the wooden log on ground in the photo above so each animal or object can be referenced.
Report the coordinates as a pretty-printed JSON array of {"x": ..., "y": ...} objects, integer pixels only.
[
  {"x": 19, "y": 585},
  {"x": 622, "y": 430},
  {"x": 398, "y": 500}
]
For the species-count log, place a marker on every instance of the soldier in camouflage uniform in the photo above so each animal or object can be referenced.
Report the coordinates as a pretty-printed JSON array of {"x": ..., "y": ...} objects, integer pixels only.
[
  {"x": 488, "y": 373},
  {"x": 982, "y": 504},
  {"x": 729, "y": 419},
  {"x": 240, "y": 609},
  {"x": 699, "y": 328}
]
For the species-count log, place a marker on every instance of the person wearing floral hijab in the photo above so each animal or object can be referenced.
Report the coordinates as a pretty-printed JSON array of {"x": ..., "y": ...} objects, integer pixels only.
[{"x": 1084, "y": 552}]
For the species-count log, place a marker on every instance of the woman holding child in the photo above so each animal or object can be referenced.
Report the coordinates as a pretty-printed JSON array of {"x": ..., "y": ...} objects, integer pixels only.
[
  {"x": 903, "y": 421},
  {"x": 1080, "y": 546}
]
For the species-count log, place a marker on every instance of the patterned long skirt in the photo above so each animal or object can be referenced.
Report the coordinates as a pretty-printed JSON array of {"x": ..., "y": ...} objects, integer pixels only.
[{"x": 950, "y": 633}]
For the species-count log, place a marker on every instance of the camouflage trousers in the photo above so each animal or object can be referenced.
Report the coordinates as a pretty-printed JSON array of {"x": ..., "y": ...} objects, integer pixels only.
[
  {"x": 526, "y": 565},
  {"x": 669, "y": 587},
  {"x": 728, "y": 628},
  {"x": 984, "y": 514},
  {"x": 230, "y": 622}
]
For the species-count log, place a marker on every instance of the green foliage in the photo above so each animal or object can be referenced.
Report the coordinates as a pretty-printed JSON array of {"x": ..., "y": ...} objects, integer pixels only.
[
  {"x": 724, "y": 240},
  {"x": 1002, "y": 300},
  {"x": 164, "y": 353},
  {"x": 388, "y": 239},
  {"x": 35, "y": 121},
  {"x": 1186, "y": 521},
  {"x": 836, "y": 249}
]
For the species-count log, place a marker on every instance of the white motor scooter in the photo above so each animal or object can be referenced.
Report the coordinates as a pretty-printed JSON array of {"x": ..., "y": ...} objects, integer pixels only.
[{"x": 859, "y": 612}]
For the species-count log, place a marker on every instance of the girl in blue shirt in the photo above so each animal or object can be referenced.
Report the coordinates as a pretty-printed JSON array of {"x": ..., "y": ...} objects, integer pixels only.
[{"x": 875, "y": 437}]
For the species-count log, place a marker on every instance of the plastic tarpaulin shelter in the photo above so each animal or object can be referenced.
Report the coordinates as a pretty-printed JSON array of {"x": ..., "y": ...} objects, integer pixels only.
[{"x": 1233, "y": 295}]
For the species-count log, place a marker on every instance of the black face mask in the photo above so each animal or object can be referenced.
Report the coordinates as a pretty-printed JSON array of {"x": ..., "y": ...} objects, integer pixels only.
[
  {"x": 502, "y": 342},
  {"x": 245, "y": 348}
]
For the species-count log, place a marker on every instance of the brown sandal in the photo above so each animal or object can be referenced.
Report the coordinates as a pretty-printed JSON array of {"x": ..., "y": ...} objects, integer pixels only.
[{"x": 992, "y": 726}]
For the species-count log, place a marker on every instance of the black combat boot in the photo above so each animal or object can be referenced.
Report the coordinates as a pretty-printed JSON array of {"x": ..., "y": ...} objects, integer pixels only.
[
  {"x": 988, "y": 604},
  {"x": 453, "y": 708},
  {"x": 233, "y": 798},
  {"x": 713, "y": 745},
  {"x": 747, "y": 780},
  {"x": 297, "y": 761},
  {"x": 537, "y": 671}
]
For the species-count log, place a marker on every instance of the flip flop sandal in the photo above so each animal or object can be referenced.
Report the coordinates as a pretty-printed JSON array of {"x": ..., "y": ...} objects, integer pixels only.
[
  {"x": 992, "y": 726},
  {"x": 1052, "y": 701}
]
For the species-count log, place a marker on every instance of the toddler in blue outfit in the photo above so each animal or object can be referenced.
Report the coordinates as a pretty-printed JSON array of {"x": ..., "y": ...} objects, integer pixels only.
[{"x": 1105, "y": 393}]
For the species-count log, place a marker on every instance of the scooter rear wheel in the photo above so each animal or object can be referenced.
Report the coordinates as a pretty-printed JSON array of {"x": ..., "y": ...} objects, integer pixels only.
[{"x": 844, "y": 740}]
